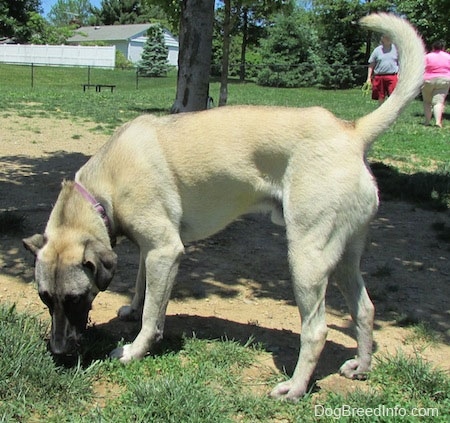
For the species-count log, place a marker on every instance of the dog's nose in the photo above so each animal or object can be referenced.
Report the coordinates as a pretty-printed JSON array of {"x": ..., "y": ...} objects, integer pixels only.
[
  {"x": 63, "y": 346},
  {"x": 64, "y": 354},
  {"x": 65, "y": 360}
]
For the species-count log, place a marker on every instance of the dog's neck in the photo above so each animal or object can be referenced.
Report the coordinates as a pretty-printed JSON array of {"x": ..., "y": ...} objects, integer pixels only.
[{"x": 98, "y": 208}]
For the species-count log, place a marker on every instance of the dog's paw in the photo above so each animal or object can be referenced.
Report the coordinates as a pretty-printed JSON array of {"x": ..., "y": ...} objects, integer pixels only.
[
  {"x": 288, "y": 391},
  {"x": 124, "y": 354},
  {"x": 129, "y": 314},
  {"x": 354, "y": 369}
]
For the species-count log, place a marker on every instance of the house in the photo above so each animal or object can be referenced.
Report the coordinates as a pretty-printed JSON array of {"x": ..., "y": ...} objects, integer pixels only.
[{"x": 129, "y": 39}]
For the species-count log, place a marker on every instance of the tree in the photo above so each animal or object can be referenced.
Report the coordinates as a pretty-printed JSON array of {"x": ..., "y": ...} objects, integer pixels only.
[
  {"x": 154, "y": 55},
  {"x": 431, "y": 18},
  {"x": 70, "y": 12},
  {"x": 194, "y": 58},
  {"x": 342, "y": 43},
  {"x": 44, "y": 33},
  {"x": 254, "y": 17},
  {"x": 243, "y": 19},
  {"x": 118, "y": 12},
  {"x": 171, "y": 9},
  {"x": 14, "y": 18},
  {"x": 289, "y": 52},
  {"x": 223, "y": 96}
]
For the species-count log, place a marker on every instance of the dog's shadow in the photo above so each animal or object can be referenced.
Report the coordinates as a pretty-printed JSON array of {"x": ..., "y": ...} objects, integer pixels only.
[{"x": 282, "y": 345}]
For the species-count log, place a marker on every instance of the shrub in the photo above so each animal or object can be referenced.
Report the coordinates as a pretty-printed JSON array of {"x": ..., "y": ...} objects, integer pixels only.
[{"x": 154, "y": 56}]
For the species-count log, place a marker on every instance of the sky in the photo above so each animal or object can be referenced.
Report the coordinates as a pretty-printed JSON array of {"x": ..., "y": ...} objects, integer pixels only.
[{"x": 48, "y": 4}]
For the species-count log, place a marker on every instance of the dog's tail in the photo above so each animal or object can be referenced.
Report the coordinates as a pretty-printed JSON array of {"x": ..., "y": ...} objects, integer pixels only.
[{"x": 411, "y": 68}]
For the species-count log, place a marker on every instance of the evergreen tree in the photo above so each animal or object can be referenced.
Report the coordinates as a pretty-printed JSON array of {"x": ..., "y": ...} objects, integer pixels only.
[
  {"x": 70, "y": 12},
  {"x": 154, "y": 55},
  {"x": 118, "y": 12},
  {"x": 290, "y": 53},
  {"x": 14, "y": 18}
]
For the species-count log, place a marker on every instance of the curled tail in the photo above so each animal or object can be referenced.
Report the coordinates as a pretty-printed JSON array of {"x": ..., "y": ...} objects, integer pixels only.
[{"x": 411, "y": 68}]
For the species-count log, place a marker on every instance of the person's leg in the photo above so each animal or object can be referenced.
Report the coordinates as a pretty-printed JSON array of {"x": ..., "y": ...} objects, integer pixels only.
[
  {"x": 383, "y": 89},
  {"x": 391, "y": 83},
  {"x": 427, "y": 96},
  {"x": 438, "y": 110},
  {"x": 439, "y": 95},
  {"x": 387, "y": 86},
  {"x": 377, "y": 89}
]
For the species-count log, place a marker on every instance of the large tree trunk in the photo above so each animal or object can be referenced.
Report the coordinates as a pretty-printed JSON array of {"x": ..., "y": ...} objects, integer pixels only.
[{"x": 194, "y": 59}]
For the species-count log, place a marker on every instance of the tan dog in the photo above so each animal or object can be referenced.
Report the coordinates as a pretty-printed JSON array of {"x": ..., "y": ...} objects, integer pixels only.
[{"x": 166, "y": 181}]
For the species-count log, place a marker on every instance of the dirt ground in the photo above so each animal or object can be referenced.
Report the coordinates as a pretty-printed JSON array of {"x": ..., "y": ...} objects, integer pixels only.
[{"x": 237, "y": 283}]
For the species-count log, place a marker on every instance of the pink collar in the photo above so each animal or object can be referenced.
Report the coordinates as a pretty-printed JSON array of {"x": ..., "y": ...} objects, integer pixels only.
[{"x": 98, "y": 208}]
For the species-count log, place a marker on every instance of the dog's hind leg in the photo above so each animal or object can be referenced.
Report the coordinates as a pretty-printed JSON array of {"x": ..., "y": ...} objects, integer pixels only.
[
  {"x": 309, "y": 289},
  {"x": 310, "y": 267},
  {"x": 351, "y": 283}
]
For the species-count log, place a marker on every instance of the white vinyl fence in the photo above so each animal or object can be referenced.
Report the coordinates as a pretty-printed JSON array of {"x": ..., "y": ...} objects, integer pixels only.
[{"x": 63, "y": 55}]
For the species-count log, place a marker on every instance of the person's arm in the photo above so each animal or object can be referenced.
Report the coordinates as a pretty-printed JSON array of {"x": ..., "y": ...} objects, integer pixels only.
[{"x": 370, "y": 71}]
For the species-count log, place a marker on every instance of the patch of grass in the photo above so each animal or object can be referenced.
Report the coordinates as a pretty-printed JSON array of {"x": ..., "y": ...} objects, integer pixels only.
[
  {"x": 426, "y": 188},
  {"x": 32, "y": 387},
  {"x": 198, "y": 381},
  {"x": 203, "y": 382},
  {"x": 422, "y": 332},
  {"x": 11, "y": 222},
  {"x": 401, "y": 389},
  {"x": 418, "y": 380}
]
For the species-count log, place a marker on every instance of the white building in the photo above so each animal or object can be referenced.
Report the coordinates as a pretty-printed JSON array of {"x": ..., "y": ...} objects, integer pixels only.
[{"x": 129, "y": 39}]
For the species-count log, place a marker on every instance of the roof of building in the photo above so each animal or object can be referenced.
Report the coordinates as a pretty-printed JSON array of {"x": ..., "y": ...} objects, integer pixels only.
[{"x": 109, "y": 32}]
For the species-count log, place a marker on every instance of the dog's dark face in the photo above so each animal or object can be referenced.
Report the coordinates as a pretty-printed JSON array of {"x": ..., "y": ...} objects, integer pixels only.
[{"x": 69, "y": 275}]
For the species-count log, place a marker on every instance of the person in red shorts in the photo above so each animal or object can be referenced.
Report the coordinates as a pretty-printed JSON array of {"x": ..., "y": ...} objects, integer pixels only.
[{"x": 383, "y": 69}]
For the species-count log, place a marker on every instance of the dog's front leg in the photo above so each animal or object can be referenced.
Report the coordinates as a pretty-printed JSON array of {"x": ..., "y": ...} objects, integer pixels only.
[
  {"x": 161, "y": 267},
  {"x": 133, "y": 312}
]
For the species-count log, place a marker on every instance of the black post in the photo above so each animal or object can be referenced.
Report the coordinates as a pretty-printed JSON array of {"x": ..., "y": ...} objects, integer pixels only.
[
  {"x": 32, "y": 75},
  {"x": 89, "y": 75}
]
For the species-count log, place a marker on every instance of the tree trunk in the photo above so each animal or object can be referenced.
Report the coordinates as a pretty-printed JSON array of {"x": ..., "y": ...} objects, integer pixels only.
[
  {"x": 194, "y": 59},
  {"x": 242, "y": 69},
  {"x": 225, "y": 54}
]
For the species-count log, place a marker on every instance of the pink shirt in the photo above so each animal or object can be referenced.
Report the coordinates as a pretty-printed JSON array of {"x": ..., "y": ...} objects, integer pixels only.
[{"x": 437, "y": 65}]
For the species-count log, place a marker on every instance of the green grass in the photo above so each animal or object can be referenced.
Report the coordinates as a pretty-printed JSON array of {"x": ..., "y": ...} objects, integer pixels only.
[
  {"x": 31, "y": 386},
  {"x": 197, "y": 381}
]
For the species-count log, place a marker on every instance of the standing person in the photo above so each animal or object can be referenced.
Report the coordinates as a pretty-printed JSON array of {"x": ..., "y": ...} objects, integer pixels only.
[
  {"x": 436, "y": 82},
  {"x": 383, "y": 69}
]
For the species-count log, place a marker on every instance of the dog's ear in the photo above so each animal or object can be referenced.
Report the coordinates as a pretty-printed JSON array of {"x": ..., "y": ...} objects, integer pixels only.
[
  {"x": 102, "y": 261},
  {"x": 34, "y": 243}
]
